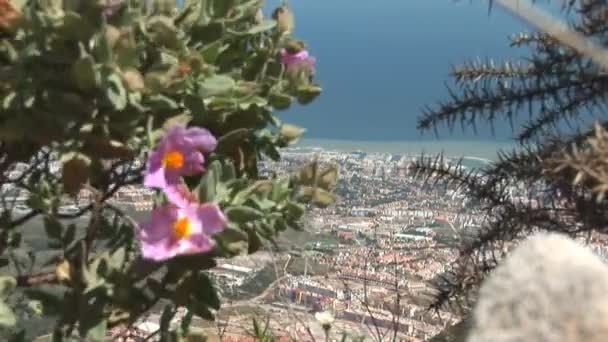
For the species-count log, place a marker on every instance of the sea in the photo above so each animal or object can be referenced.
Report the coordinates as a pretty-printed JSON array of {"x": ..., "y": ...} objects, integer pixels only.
[{"x": 480, "y": 149}]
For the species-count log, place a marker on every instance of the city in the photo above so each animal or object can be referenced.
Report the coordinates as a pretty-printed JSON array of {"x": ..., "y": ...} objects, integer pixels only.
[{"x": 367, "y": 259}]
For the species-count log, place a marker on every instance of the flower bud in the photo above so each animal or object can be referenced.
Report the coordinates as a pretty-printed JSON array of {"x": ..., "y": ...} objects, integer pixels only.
[
  {"x": 112, "y": 35},
  {"x": 284, "y": 19},
  {"x": 63, "y": 271},
  {"x": 133, "y": 79},
  {"x": 184, "y": 68},
  {"x": 10, "y": 18},
  {"x": 294, "y": 46},
  {"x": 259, "y": 16}
]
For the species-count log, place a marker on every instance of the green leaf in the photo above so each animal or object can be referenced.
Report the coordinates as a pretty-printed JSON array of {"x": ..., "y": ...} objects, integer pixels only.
[
  {"x": 307, "y": 94},
  {"x": 162, "y": 30},
  {"x": 243, "y": 214},
  {"x": 85, "y": 74},
  {"x": 201, "y": 310},
  {"x": 195, "y": 104},
  {"x": 165, "y": 318},
  {"x": 212, "y": 51},
  {"x": 294, "y": 210},
  {"x": 116, "y": 92},
  {"x": 254, "y": 241},
  {"x": 265, "y": 25},
  {"x": 228, "y": 171},
  {"x": 186, "y": 322},
  {"x": 92, "y": 321},
  {"x": 7, "y": 284},
  {"x": 75, "y": 26},
  {"x": 207, "y": 33},
  {"x": 263, "y": 204},
  {"x": 221, "y": 7},
  {"x": 227, "y": 142},
  {"x": 98, "y": 332},
  {"x": 280, "y": 101},
  {"x": 103, "y": 50},
  {"x": 192, "y": 262},
  {"x": 18, "y": 337},
  {"x": 69, "y": 235},
  {"x": 7, "y": 317},
  {"x": 206, "y": 292},
  {"x": 217, "y": 84},
  {"x": 209, "y": 182},
  {"x": 53, "y": 228},
  {"x": 160, "y": 103},
  {"x": 117, "y": 259}
]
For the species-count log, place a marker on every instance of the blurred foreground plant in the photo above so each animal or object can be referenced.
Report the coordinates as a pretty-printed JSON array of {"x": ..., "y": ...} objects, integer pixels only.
[
  {"x": 555, "y": 180},
  {"x": 91, "y": 89}
]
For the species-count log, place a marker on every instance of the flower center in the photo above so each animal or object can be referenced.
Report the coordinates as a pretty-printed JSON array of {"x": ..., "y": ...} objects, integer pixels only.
[
  {"x": 181, "y": 228},
  {"x": 173, "y": 160}
]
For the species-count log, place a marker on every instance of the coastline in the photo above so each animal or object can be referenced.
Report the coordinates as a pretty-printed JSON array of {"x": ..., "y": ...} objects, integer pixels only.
[{"x": 487, "y": 149}]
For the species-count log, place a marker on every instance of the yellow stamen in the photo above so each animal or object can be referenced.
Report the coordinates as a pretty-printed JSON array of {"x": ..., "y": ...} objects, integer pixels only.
[
  {"x": 181, "y": 228},
  {"x": 173, "y": 160}
]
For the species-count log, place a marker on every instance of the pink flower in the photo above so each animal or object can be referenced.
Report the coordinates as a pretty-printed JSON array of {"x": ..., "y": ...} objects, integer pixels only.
[
  {"x": 179, "y": 153},
  {"x": 180, "y": 195},
  {"x": 298, "y": 59},
  {"x": 174, "y": 230}
]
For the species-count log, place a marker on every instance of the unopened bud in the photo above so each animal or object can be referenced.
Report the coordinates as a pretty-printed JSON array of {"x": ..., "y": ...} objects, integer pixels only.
[
  {"x": 291, "y": 133},
  {"x": 112, "y": 35},
  {"x": 284, "y": 19},
  {"x": 133, "y": 79},
  {"x": 125, "y": 40},
  {"x": 10, "y": 17},
  {"x": 259, "y": 16},
  {"x": 294, "y": 46},
  {"x": 183, "y": 68},
  {"x": 63, "y": 271}
]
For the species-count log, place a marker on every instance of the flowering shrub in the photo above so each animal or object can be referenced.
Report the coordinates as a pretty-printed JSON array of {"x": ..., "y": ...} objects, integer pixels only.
[{"x": 178, "y": 100}]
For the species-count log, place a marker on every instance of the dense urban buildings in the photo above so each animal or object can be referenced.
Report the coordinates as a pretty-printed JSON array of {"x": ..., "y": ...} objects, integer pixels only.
[{"x": 367, "y": 259}]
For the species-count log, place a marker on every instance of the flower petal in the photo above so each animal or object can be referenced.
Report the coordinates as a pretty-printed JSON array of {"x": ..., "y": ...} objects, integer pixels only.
[
  {"x": 155, "y": 178},
  {"x": 197, "y": 243},
  {"x": 163, "y": 250},
  {"x": 201, "y": 138},
  {"x": 193, "y": 163},
  {"x": 212, "y": 218},
  {"x": 156, "y": 234},
  {"x": 180, "y": 195}
]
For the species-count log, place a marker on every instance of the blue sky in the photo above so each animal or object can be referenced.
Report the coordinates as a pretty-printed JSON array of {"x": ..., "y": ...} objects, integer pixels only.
[{"x": 379, "y": 62}]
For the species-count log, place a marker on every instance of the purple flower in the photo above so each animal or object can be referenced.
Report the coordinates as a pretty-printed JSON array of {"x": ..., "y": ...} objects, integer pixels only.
[
  {"x": 180, "y": 195},
  {"x": 174, "y": 230},
  {"x": 298, "y": 59},
  {"x": 179, "y": 153}
]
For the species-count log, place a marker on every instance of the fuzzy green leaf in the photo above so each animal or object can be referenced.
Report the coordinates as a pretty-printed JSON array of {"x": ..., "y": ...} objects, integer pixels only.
[
  {"x": 53, "y": 228},
  {"x": 7, "y": 317},
  {"x": 7, "y": 284},
  {"x": 243, "y": 214},
  {"x": 85, "y": 74},
  {"x": 217, "y": 85},
  {"x": 116, "y": 92}
]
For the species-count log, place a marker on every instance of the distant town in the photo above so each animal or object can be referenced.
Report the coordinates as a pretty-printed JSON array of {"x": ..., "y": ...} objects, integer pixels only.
[{"x": 367, "y": 259}]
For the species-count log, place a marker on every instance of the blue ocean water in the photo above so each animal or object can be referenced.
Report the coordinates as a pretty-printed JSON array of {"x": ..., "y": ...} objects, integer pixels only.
[{"x": 380, "y": 62}]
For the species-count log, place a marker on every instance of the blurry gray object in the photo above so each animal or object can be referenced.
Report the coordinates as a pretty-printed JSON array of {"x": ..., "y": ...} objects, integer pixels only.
[{"x": 550, "y": 288}]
